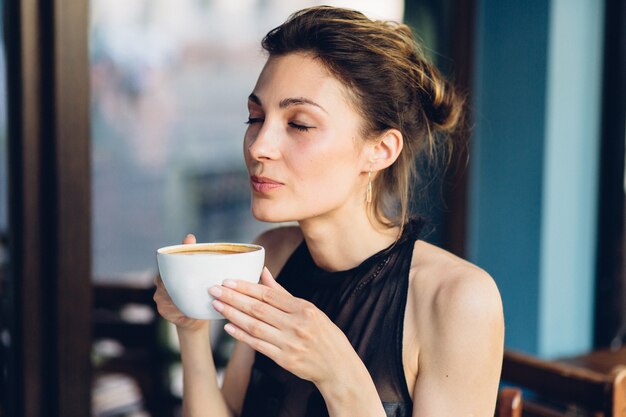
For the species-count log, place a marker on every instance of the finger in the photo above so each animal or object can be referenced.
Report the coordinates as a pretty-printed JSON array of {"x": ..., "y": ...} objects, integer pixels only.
[
  {"x": 268, "y": 279},
  {"x": 250, "y": 306},
  {"x": 252, "y": 326},
  {"x": 161, "y": 295},
  {"x": 259, "y": 345},
  {"x": 189, "y": 239},
  {"x": 280, "y": 299},
  {"x": 160, "y": 286}
]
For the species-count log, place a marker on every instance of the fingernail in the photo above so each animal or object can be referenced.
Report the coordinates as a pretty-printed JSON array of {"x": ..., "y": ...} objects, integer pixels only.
[
  {"x": 229, "y": 283},
  {"x": 215, "y": 291},
  {"x": 229, "y": 328},
  {"x": 218, "y": 306},
  {"x": 188, "y": 235}
]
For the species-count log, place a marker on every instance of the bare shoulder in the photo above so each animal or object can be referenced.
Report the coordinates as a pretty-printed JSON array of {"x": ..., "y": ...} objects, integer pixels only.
[
  {"x": 452, "y": 291},
  {"x": 459, "y": 333},
  {"x": 279, "y": 244}
]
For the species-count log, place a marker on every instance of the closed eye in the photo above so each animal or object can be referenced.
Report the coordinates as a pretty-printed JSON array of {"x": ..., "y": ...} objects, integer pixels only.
[{"x": 301, "y": 128}]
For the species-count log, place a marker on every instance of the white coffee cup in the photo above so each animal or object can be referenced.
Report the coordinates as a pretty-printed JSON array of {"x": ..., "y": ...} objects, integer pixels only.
[{"x": 188, "y": 271}]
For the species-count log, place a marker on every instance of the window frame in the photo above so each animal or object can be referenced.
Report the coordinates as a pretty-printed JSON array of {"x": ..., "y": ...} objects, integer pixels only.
[
  {"x": 49, "y": 212},
  {"x": 610, "y": 297}
]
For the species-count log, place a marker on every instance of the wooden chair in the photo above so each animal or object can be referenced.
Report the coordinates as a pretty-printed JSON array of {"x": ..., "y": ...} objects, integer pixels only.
[
  {"x": 509, "y": 402},
  {"x": 144, "y": 358},
  {"x": 588, "y": 385}
]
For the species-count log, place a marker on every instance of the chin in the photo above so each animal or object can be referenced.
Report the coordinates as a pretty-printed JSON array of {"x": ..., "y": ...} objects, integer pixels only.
[{"x": 269, "y": 215}]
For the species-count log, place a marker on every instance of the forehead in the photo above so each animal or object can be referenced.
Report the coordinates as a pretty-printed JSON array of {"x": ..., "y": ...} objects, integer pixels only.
[{"x": 299, "y": 75}]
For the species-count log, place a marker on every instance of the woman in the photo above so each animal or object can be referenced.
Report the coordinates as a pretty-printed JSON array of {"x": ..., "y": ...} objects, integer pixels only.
[{"x": 364, "y": 319}]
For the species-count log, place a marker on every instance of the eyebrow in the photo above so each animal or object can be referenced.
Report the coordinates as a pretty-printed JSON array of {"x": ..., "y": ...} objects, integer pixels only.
[{"x": 286, "y": 102}]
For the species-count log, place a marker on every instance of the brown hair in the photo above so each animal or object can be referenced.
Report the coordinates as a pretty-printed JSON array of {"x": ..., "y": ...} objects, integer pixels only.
[{"x": 392, "y": 85}]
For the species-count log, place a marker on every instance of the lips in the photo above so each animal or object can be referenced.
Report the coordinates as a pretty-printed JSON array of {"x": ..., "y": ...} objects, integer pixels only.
[{"x": 263, "y": 184}]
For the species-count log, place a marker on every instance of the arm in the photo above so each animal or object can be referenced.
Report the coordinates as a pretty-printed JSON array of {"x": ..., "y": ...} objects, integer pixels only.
[
  {"x": 201, "y": 394},
  {"x": 461, "y": 349},
  {"x": 200, "y": 379},
  {"x": 300, "y": 338},
  {"x": 352, "y": 392}
]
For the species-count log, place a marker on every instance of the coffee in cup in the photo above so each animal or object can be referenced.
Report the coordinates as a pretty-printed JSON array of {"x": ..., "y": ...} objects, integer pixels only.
[{"x": 188, "y": 271}]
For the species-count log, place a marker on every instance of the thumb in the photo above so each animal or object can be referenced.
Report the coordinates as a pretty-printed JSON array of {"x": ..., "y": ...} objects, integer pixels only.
[
  {"x": 189, "y": 239},
  {"x": 268, "y": 280}
]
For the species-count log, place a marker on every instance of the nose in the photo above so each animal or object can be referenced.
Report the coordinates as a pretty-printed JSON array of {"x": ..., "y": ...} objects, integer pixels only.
[{"x": 263, "y": 142}]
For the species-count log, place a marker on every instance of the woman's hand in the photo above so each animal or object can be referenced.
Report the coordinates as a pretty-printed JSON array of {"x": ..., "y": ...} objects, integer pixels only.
[
  {"x": 166, "y": 306},
  {"x": 291, "y": 331}
]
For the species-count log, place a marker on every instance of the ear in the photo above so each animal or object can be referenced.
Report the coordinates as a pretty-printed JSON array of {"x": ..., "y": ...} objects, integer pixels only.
[{"x": 385, "y": 150}]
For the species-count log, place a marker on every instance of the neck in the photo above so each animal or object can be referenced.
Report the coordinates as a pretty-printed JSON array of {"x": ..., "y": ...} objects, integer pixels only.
[{"x": 343, "y": 242}]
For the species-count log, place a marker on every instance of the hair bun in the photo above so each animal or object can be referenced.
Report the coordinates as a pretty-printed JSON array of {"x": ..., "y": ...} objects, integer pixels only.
[{"x": 441, "y": 104}]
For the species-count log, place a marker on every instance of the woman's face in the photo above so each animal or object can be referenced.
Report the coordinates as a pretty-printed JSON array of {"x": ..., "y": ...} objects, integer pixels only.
[{"x": 303, "y": 148}]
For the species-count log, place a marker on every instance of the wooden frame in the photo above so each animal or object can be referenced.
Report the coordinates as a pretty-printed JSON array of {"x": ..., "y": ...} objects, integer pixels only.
[
  {"x": 610, "y": 302},
  {"x": 49, "y": 192},
  {"x": 583, "y": 382},
  {"x": 456, "y": 31},
  {"x": 509, "y": 403},
  {"x": 457, "y": 179}
]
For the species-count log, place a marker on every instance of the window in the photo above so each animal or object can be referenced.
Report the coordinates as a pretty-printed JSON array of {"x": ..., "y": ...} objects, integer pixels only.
[{"x": 169, "y": 87}]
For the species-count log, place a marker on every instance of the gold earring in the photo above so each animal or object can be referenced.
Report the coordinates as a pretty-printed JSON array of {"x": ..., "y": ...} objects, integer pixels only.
[{"x": 368, "y": 195}]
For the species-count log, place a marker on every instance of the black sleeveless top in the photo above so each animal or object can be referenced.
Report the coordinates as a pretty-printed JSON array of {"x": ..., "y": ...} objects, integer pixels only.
[{"x": 367, "y": 303}]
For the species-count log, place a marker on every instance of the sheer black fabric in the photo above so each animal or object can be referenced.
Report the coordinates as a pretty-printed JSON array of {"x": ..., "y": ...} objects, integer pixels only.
[{"x": 367, "y": 303}]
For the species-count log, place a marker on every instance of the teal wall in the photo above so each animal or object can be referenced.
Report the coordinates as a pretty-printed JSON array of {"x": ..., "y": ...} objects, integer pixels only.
[
  {"x": 534, "y": 167},
  {"x": 570, "y": 185}
]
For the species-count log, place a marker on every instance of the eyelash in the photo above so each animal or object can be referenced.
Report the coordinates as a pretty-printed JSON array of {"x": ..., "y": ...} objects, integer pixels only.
[
  {"x": 252, "y": 120},
  {"x": 301, "y": 128}
]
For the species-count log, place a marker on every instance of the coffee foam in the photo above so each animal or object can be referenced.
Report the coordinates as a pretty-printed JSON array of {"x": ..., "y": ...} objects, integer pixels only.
[{"x": 219, "y": 248}]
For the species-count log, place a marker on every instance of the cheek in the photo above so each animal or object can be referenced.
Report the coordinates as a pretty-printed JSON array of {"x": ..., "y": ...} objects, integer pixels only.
[{"x": 324, "y": 172}]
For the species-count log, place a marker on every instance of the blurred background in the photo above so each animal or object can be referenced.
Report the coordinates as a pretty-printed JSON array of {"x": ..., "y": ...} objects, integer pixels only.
[{"x": 121, "y": 126}]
